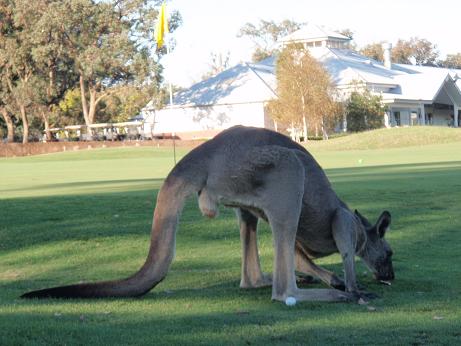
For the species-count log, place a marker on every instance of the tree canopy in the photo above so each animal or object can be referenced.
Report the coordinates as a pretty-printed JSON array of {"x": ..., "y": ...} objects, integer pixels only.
[
  {"x": 219, "y": 62},
  {"x": 306, "y": 94},
  {"x": 364, "y": 111},
  {"x": 451, "y": 61},
  {"x": 51, "y": 48},
  {"x": 374, "y": 51},
  {"x": 422, "y": 51},
  {"x": 265, "y": 35}
]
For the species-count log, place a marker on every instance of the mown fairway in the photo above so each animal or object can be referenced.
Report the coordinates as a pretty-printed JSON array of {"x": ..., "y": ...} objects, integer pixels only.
[{"x": 85, "y": 216}]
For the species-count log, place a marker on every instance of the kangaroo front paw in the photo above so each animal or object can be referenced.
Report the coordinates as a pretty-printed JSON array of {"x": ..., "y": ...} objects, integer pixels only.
[
  {"x": 337, "y": 283},
  {"x": 306, "y": 279}
]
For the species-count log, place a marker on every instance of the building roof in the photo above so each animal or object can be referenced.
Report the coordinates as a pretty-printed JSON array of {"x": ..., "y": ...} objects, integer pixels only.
[
  {"x": 346, "y": 66},
  {"x": 424, "y": 83},
  {"x": 250, "y": 83},
  {"x": 313, "y": 32},
  {"x": 243, "y": 83}
]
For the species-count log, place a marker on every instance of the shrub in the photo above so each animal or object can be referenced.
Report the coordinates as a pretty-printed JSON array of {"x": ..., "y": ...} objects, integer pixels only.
[{"x": 364, "y": 111}]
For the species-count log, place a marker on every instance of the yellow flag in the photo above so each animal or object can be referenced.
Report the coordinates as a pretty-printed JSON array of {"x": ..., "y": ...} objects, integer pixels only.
[{"x": 162, "y": 26}]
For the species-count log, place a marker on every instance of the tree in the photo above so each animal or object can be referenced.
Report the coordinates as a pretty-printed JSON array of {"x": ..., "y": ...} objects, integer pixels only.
[
  {"x": 346, "y": 32},
  {"x": 373, "y": 51},
  {"x": 48, "y": 47},
  {"x": 69, "y": 109},
  {"x": 53, "y": 61},
  {"x": 364, "y": 111},
  {"x": 126, "y": 103},
  {"x": 100, "y": 46},
  {"x": 266, "y": 34},
  {"x": 104, "y": 35},
  {"x": 219, "y": 63},
  {"x": 6, "y": 23},
  {"x": 350, "y": 34},
  {"x": 421, "y": 50},
  {"x": 21, "y": 86},
  {"x": 424, "y": 52},
  {"x": 32, "y": 68},
  {"x": 9, "y": 124},
  {"x": 451, "y": 61},
  {"x": 402, "y": 52},
  {"x": 7, "y": 116},
  {"x": 305, "y": 92}
]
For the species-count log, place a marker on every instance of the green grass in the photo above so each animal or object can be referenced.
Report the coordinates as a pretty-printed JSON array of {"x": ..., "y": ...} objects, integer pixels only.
[
  {"x": 391, "y": 138},
  {"x": 86, "y": 216}
]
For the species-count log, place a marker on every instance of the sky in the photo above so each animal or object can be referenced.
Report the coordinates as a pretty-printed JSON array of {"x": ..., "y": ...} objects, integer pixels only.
[{"x": 212, "y": 26}]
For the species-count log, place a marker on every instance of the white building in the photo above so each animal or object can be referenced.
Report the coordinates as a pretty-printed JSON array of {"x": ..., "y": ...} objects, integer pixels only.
[
  {"x": 415, "y": 95},
  {"x": 235, "y": 96}
]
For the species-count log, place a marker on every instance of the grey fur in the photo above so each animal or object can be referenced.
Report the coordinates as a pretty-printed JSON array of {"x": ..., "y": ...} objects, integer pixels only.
[{"x": 262, "y": 174}]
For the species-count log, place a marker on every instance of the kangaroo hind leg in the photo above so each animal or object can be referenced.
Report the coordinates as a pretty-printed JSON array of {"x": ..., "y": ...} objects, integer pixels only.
[{"x": 252, "y": 275}]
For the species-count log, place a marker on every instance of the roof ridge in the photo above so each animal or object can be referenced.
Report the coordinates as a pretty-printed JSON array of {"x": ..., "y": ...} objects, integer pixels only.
[
  {"x": 261, "y": 79},
  {"x": 344, "y": 64}
]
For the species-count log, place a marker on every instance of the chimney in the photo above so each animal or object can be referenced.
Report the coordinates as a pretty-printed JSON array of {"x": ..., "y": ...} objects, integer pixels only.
[{"x": 387, "y": 55}]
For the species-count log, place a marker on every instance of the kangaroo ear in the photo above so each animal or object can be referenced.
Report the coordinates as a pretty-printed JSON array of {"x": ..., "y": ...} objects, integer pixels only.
[
  {"x": 363, "y": 219},
  {"x": 383, "y": 224}
]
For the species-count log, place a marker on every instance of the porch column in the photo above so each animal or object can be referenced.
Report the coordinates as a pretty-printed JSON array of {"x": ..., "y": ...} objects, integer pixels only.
[
  {"x": 455, "y": 115},
  {"x": 422, "y": 116}
]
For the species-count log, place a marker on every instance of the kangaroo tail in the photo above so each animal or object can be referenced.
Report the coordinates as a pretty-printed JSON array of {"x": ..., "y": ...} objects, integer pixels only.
[{"x": 169, "y": 205}]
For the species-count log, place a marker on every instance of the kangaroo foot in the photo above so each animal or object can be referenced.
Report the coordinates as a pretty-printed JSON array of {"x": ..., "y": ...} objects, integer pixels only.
[
  {"x": 364, "y": 296},
  {"x": 263, "y": 281},
  {"x": 316, "y": 294}
]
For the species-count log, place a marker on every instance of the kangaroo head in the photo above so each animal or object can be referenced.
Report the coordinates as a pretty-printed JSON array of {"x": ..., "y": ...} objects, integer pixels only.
[{"x": 376, "y": 252}]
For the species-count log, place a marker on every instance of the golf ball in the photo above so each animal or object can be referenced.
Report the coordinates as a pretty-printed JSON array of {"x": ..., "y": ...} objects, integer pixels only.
[{"x": 290, "y": 301}]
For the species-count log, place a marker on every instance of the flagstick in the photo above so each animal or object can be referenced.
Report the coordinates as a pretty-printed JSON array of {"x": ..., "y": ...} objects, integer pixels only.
[
  {"x": 160, "y": 31},
  {"x": 170, "y": 87}
]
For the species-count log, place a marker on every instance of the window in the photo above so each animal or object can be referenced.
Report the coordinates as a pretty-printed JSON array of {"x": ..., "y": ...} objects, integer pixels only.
[{"x": 397, "y": 118}]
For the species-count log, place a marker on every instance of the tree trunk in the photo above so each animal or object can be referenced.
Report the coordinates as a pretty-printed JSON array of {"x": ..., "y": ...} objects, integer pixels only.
[
  {"x": 324, "y": 132},
  {"x": 304, "y": 128},
  {"x": 9, "y": 125},
  {"x": 25, "y": 124},
  {"x": 304, "y": 118},
  {"x": 84, "y": 103},
  {"x": 292, "y": 132},
  {"x": 93, "y": 104},
  {"x": 47, "y": 127},
  {"x": 85, "y": 108}
]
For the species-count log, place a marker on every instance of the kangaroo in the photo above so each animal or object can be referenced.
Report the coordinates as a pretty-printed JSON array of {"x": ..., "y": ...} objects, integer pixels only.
[{"x": 263, "y": 175}]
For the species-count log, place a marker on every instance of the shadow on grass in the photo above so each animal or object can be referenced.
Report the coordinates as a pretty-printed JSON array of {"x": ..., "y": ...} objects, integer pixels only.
[
  {"x": 423, "y": 199},
  {"x": 89, "y": 184},
  {"x": 269, "y": 325},
  {"x": 30, "y": 221},
  {"x": 409, "y": 167}
]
